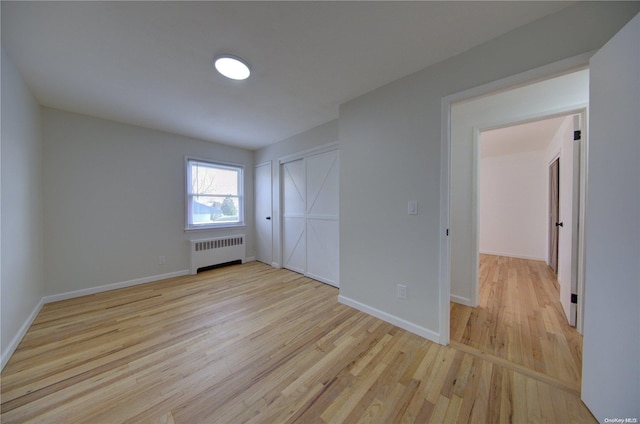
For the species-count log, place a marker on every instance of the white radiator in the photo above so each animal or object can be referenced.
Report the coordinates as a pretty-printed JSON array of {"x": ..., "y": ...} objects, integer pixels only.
[{"x": 209, "y": 252}]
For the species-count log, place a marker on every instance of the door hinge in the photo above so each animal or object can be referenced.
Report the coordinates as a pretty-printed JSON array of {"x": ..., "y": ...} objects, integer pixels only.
[
  {"x": 574, "y": 298},
  {"x": 577, "y": 135},
  {"x": 447, "y": 232}
]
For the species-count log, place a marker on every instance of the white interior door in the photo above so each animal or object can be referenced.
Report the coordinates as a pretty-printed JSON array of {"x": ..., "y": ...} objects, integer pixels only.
[
  {"x": 310, "y": 224},
  {"x": 263, "y": 221},
  {"x": 568, "y": 232},
  {"x": 294, "y": 242},
  {"x": 322, "y": 213},
  {"x": 554, "y": 213}
]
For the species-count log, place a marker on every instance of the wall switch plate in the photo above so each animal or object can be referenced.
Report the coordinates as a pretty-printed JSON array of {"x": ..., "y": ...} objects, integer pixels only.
[
  {"x": 402, "y": 291},
  {"x": 412, "y": 207},
  {"x": 162, "y": 260}
]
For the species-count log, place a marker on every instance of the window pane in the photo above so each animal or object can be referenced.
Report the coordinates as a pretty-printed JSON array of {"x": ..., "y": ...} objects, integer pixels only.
[
  {"x": 215, "y": 210},
  {"x": 208, "y": 179},
  {"x": 214, "y": 194}
]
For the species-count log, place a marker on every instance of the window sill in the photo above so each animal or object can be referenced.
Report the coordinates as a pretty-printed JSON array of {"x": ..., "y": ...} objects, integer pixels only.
[{"x": 215, "y": 227}]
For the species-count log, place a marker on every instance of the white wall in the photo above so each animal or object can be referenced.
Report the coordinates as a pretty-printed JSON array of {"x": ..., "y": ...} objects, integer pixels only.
[
  {"x": 390, "y": 153},
  {"x": 555, "y": 146},
  {"x": 114, "y": 201},
  {"x": 21, "y": 283},
  {"x": 611, "y": 346},
  {"x": 316, "y": 137},
  {"x": 513, "y": 201},
  {"x": 322, "y": 134},
  {"x": 568, "y": 92}
]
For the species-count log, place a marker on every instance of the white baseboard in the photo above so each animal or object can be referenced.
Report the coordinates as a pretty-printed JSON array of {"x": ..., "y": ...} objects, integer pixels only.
[
  {"x": 13, "y": 345},
  {"x": 512, "y": 255},
  {"x": 391, "y": 319},
  {"x": 461, "y": 300},
  {"x": 113, "y": 286},
  {"x": 249, "y": 259},
  {"x": 275, "y": 265}
]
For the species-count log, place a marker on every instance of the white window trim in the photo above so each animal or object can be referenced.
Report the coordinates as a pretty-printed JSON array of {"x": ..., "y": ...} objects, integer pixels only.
[{"x": 187, "y": 203}]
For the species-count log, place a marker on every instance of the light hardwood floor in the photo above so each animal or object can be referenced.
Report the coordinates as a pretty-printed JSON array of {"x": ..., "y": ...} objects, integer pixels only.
[
  {"x": 520, "y": 319},
  {"x": 253, "y": 344}
]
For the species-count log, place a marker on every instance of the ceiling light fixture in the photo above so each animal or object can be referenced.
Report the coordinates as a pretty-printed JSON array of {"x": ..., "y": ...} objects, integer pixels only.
[{"x": 232, "y": 67}]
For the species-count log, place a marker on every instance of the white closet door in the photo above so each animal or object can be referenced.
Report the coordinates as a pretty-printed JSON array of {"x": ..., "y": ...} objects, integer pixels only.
[
  {"x": 294, "y": 222},
  {"x": 310, "y": 203},
  {"x": 322, "y": 211}
]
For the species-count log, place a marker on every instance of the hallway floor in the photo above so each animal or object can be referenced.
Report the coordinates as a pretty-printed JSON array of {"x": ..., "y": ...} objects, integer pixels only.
[{"x": 520, "y": 321}]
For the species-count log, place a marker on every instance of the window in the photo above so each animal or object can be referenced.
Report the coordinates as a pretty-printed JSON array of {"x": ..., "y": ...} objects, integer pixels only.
[{"x": 214, "y": 195}]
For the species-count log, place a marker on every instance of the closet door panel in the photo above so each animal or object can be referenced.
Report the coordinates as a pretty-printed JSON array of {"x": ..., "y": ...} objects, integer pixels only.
[
  {"x": 323, "y": 250},
  {"x": 294, "y": 188},
  {"x": 293, "y": 207},
  {"x": 322, "y": 186},
  {"x": 294, "y": 246},
  {"x": 322, "y": 217}
]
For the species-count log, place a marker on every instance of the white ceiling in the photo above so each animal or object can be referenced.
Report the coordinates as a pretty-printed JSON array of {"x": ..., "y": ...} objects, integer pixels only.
[
  {"x": 528, "y": 137},
  {"x": 149, "y": 63}
]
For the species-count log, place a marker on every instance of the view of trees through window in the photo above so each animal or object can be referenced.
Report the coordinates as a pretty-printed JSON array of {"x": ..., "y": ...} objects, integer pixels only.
[{"x": 214, "y": 194}]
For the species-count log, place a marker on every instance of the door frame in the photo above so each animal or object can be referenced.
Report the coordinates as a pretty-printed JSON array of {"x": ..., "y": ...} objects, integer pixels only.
[
  {"x": 552, "y": 70},
  {"x": 255, "y": 173}
]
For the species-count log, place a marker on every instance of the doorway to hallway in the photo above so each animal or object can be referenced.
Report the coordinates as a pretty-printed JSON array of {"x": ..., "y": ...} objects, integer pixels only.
[{"x": 505, "y": 297}]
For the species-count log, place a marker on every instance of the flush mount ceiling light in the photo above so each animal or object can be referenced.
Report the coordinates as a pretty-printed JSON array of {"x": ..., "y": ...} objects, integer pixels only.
[{"x": 231, "y": 67}]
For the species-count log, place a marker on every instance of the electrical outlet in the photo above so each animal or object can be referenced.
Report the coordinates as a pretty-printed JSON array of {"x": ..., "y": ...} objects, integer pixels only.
[
  {"x": 402, "y": 291},
  {"x": 162, "y": 260}
]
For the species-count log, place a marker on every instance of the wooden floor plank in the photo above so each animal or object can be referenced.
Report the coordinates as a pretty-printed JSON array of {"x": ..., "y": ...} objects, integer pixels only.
[
  {"x": 519, "y": 303},
  {"x": 250, "y": 343}
]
